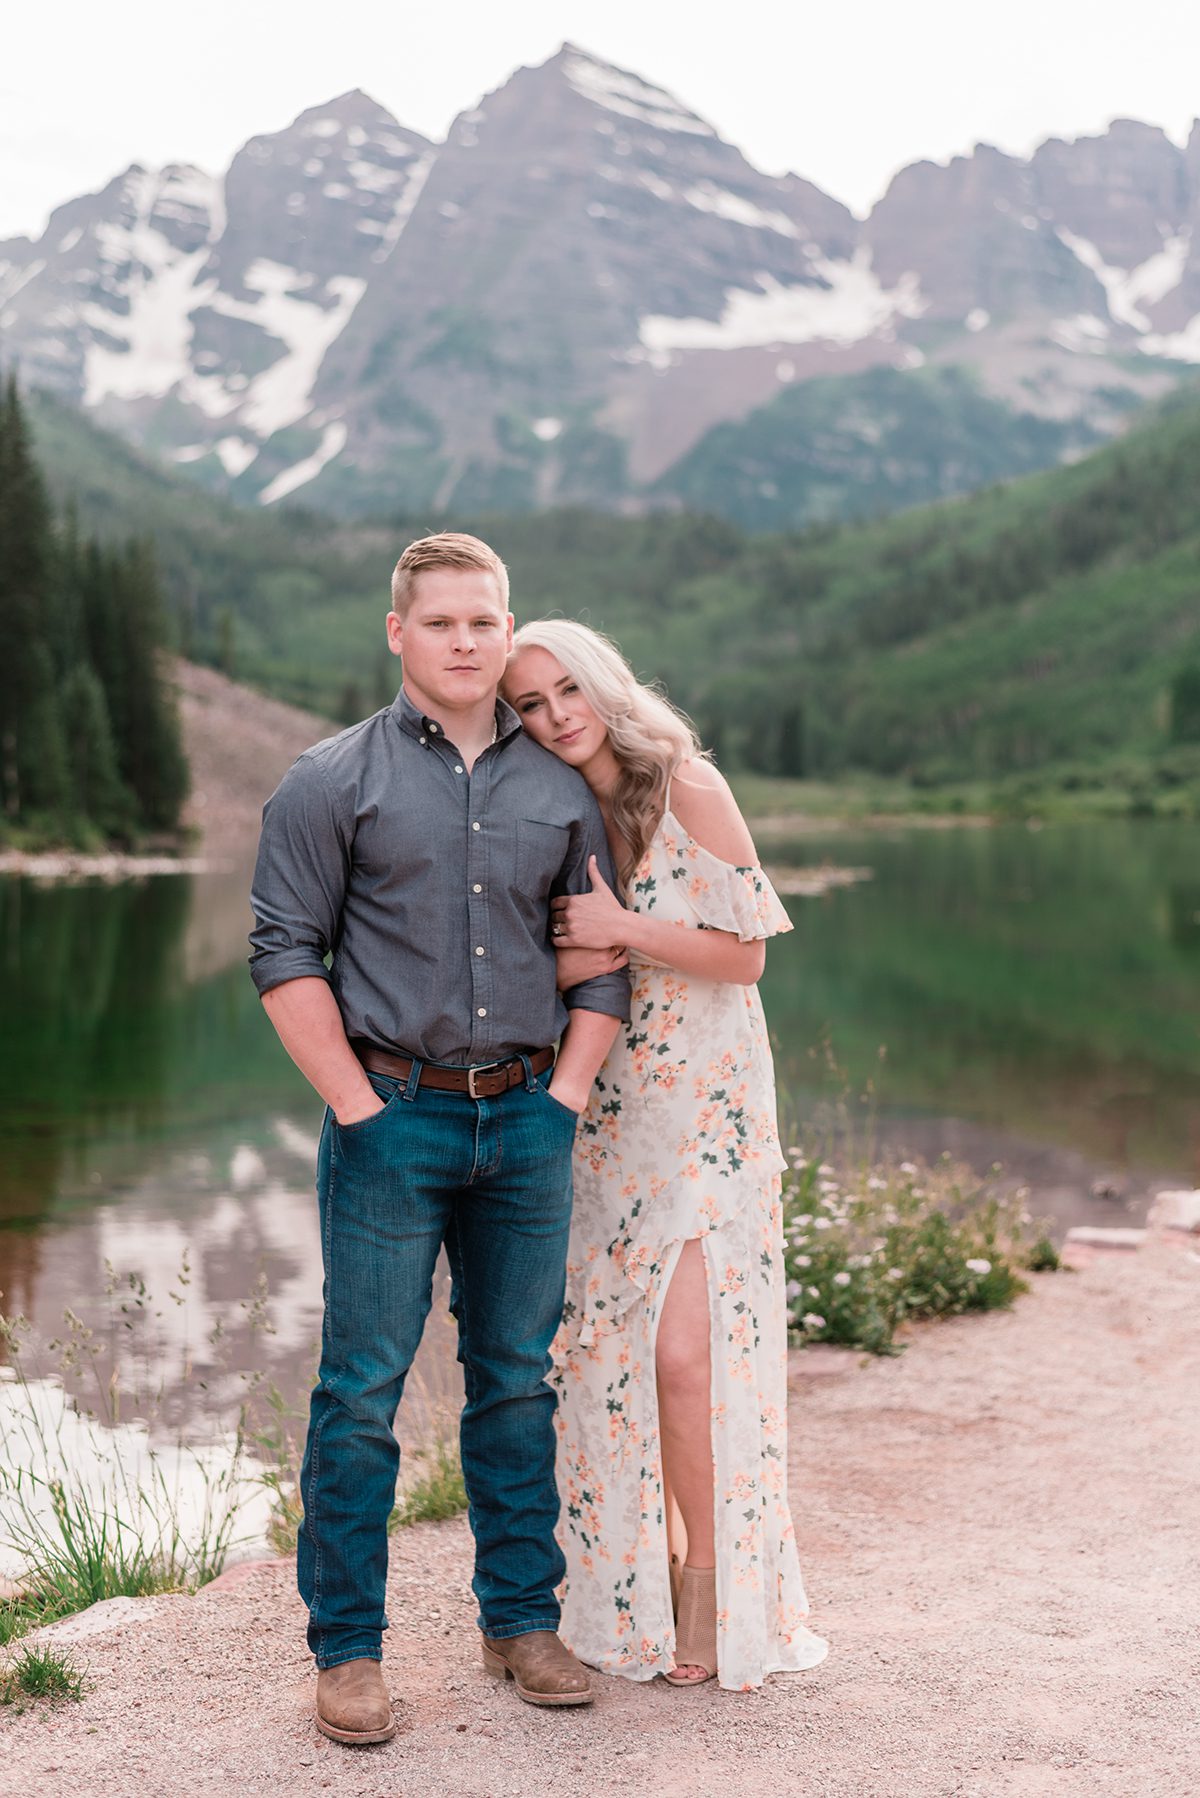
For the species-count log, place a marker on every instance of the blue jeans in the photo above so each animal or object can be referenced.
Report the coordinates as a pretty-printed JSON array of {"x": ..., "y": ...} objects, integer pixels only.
[{"x": 491, "y": 1178}]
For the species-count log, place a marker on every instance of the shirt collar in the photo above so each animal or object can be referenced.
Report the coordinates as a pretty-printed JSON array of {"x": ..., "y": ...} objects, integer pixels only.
[{"x": 415, "y": 723}]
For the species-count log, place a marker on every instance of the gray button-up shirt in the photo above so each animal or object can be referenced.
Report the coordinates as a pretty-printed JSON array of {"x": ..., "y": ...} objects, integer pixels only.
[{"x": 429, "y": 887}]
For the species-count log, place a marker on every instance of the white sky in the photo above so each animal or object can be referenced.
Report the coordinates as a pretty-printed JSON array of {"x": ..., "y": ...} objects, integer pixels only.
[{"x": 844, "y": 94}]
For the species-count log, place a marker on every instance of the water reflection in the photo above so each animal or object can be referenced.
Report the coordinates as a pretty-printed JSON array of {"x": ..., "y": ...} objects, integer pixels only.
[{"x": 1037, "y": 995}]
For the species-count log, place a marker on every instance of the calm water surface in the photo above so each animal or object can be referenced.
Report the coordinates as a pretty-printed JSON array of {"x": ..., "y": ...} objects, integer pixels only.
[{"x": 1035, "y": 996}]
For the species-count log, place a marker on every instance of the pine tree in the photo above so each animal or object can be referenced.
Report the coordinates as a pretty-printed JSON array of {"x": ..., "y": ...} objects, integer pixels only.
[
  {"x": 32, "y": 752},
  {"x": 1185, "y": 705},
  {"x": 149, "y": 741},
  {"x": 97, "y": 790}
]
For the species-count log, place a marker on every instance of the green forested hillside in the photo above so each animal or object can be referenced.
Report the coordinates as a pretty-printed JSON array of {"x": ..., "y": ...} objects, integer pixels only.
[
  {"x": 859, "y": 446},
  {"x": 1054, "y": 619}
]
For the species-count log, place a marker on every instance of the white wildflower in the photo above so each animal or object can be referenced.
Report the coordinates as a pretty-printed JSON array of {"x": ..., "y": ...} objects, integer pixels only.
[
  {"x": 842, "y": 1279},
  {"x": 908, "y": 1167},
  {"x": 827, "y": 1186},
  {"x": 793, "y": 1289},
  {"x": 811, "y": 1321},
  {"x": 806, "y": 1219},
  {"x": 875, "y": 1183},
  {"x": 814, "y": 1292},
  {"x": 803, "y": 1260},
  {"x": 895, "y": 1273},
  {"x": 822, "y": 1223},
  {"x": 824, "y": 1168},
  {"x": 980, "y": 1266}
]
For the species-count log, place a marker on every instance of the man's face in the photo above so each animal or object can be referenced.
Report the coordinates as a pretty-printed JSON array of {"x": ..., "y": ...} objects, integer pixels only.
[{"x": 454, "y": 639}]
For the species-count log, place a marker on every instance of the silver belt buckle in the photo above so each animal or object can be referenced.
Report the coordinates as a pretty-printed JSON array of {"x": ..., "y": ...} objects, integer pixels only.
[{"x": 485, "y": 1067}]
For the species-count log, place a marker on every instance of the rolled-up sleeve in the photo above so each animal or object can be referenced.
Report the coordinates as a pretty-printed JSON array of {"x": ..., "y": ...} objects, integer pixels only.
[
  {"x": 608, "y": 993},
  {"x": 299, "y": 879}
]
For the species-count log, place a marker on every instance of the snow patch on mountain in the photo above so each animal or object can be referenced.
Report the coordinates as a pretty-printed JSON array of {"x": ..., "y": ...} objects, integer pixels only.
[
  {"x": 13, "y": 278},
  {"x": 282, "y": 394},
  {"x": 1180, "y": 346},
  {"x": 143, "y": 349},
  {"x": 630, "y": 97},
  {"x": 852, "y": 304},
  {"x": 333, "y": 442},
  {"x": 391, "y": 233},
  {"x": 1085, "y": 334},
  {"x": 236, "y": 455},
  {"x": 1127, "y": 290},
  {"x": 147, "y": 352},
  {"x": 707, "y": 197}
]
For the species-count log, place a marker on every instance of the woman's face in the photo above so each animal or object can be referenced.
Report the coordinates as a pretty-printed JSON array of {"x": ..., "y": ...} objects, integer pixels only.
[{"x": 552, "y": 708}]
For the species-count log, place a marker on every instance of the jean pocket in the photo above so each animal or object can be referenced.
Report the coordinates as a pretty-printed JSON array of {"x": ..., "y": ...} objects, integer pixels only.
[
  {"x": 387, "y": 1090},
  {"x": 558, "y": 1104}
]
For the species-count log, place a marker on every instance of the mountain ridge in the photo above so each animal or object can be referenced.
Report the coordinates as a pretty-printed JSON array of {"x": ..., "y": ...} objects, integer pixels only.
[{"x": 567, "y": 298}]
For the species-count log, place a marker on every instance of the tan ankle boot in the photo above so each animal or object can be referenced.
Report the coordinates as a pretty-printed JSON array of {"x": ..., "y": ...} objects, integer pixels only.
[
  {"x": 352, "y": 1703},
  {"x": 540, "y": 1665},
  {"x": 695, "y": 1626}
]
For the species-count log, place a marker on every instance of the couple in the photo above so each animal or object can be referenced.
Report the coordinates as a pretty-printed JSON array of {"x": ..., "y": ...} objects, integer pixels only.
[{"x": 459, "y": 856}]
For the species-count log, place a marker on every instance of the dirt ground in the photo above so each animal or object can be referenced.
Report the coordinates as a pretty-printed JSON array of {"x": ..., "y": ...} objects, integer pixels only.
[{"x": 999, "y": 1535}]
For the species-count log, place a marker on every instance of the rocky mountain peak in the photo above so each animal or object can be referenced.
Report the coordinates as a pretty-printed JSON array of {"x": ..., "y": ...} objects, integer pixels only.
[{"x": 568, "y": 296}]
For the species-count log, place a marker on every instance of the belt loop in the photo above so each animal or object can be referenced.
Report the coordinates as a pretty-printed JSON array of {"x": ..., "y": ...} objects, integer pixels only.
[
  {"x": 414, "y": 1080},
  {"x": 530, "y": 1081}
]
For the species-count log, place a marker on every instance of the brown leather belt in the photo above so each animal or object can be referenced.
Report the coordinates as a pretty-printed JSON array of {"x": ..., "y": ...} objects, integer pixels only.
[{"x": 487, "y": 1081}]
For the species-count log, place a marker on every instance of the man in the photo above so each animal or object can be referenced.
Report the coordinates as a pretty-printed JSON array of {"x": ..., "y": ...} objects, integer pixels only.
[{"x": 420, "y": 849}]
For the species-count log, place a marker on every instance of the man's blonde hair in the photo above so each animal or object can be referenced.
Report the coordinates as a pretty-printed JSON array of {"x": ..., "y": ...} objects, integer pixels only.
[{"x": 446, "y": 549}]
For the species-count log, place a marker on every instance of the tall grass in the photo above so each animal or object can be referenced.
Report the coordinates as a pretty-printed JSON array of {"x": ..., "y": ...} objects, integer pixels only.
[{"x": 97, "y": 1499}]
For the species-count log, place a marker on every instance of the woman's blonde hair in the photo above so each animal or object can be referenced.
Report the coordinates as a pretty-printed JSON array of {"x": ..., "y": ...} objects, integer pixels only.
[{"x": 649, "y": 736}]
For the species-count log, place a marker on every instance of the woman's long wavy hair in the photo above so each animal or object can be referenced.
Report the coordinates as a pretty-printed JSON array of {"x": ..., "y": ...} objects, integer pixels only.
[{"x": 649, "y": 736}]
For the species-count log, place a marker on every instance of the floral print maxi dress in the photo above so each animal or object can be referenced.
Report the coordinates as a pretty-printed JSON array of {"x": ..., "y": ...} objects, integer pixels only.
[{"x": 679, "y": 1140}]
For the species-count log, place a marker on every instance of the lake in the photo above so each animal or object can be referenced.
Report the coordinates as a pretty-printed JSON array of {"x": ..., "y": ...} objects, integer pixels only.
[{"x": 1024, "y": 996}]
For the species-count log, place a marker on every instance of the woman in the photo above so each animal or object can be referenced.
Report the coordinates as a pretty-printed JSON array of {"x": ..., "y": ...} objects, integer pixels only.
[{"x": 671, "y": 1362}]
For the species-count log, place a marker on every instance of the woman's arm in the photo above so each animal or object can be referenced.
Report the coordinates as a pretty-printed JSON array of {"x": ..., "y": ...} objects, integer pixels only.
[
  {"x": 701, "y": 800},
  {"x": 575, "y": 965}
]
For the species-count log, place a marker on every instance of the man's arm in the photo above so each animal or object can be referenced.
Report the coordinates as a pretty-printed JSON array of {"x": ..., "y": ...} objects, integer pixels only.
[
  {"x": 588, "y": 1037},
  {"x": 604, "y": 992},
  {"x": 297, "y": 896},
  {"x": 309, "y": 1025}
]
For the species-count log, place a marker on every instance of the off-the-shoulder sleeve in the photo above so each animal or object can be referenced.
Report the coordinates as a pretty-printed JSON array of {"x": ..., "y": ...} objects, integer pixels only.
[{"x": 740, "y": 900}]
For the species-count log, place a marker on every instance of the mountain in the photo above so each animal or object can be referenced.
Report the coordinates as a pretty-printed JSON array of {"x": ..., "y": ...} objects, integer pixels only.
[
  {"x": 1044, "y": 622},
  {"x": 586, "y": 295}
]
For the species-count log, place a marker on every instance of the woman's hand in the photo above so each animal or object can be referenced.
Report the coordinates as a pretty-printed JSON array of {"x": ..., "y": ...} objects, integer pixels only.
[
  {"x": 594, "y": 920},
  {"x": 576, "y": 965}
]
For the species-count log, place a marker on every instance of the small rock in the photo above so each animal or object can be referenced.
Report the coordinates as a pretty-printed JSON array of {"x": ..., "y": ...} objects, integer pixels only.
[
  {"x": 1178, "y": 1210},
  {"x": 1092, "y": 1236}
]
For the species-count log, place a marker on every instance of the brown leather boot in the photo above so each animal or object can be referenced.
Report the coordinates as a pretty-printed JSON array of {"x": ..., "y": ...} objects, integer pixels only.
[
  {"x": 542, "y": 1668},
  {"x": 352, "y": 1703}
]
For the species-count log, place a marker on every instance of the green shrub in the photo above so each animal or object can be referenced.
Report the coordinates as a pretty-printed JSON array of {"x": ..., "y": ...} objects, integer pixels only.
[{"x": 865, "y": 1253}]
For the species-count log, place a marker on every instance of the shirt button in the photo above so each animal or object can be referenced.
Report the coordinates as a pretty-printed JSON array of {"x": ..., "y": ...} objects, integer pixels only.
[
  {"x": 477, "y": 888},
  {"x": 422, "y": 739},
  {"x": 475, "y": 826},
  {"x": 479, "y": 951},
  {"x": 482, "y": 1012},
  {"x": 458, "y": 767},
  {"x": 433, "y": 729}
]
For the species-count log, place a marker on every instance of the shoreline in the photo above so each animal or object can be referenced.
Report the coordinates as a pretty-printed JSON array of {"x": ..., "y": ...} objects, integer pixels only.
[{"x": 972, "y": 1519}]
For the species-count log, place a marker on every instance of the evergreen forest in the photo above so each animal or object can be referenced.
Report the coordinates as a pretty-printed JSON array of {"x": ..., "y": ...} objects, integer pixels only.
[{"x": 90, "y": 748}]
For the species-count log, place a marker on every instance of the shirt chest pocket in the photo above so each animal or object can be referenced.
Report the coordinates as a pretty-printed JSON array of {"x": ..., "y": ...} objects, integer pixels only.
[{"x": 541, "y": 850}]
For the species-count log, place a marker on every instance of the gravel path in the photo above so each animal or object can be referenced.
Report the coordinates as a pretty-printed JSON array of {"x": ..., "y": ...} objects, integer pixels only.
[{"x": 999, "y": 1536}]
